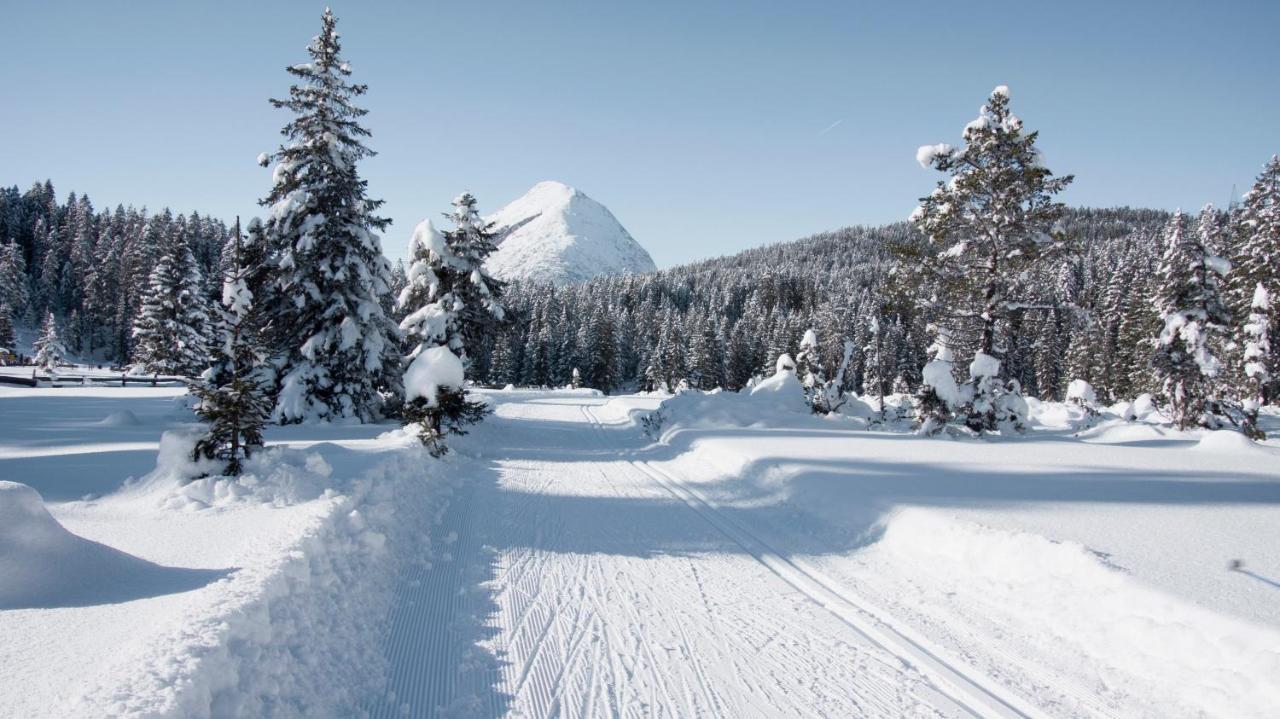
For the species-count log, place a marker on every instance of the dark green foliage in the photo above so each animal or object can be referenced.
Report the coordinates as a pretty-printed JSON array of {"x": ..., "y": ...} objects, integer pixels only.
[
  {"x": 232, "y": 399},
  {"x": 235, "y": 412},
  {"x": 451, "y": 414}
]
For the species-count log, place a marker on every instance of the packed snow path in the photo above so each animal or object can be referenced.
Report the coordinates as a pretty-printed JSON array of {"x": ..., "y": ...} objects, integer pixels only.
[{"x": 602, "y": 585}]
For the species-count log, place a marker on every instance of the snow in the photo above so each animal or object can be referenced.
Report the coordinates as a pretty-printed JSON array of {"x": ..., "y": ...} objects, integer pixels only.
[
  {"x": 746, "y": 558},
  {"x": 926, "y": 154},
  {"x": 1081, "y": 392},
  {"x": 556, "y": 234},
  {"x": 1001, "y": 90},
  {"x": 984, "y": 365},
  {"x": 434, "y": 368}
]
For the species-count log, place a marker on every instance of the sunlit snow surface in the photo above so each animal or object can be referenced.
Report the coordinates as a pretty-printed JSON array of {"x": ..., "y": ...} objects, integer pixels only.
[{"x": 745, "y": 558}]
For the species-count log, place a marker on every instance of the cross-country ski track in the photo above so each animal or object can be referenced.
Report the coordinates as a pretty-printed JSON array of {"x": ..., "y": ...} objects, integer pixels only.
[{"x": 587, "y": 581}]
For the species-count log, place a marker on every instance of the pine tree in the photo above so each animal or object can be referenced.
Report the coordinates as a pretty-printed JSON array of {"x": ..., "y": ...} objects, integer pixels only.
[
  {"x": 170, "y": 331},
  {"x": 232, "y": 398},
  {"x": 706, "y": 358},
  {"x": 49, "y": 348},
  {"x": 479, "y": 296},
  {"x": 1259, "y": 362},
  {"x": 13, "y": 278},
  {"x": 335, "y": 348},
  {"x": 987, "y": 224},
  {"x": 1257, "y": 243},
  {"x": 433, "y": 303},
  {"x": 938, "y": 396},
  {"x": 1190, "y": 305},
  {"x": 7, "y": 339}
]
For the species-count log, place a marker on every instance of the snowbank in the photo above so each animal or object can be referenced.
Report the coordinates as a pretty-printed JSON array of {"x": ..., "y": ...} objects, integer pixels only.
[{"x": 296, "y": 631}]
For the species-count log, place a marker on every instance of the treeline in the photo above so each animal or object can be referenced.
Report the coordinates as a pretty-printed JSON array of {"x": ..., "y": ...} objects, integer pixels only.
[
  {"x": 719, "y": 322},
  {"x": 91, "y": 268}
]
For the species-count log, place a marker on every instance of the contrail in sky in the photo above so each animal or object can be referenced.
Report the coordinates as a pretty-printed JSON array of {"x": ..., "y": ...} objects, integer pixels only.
[{"x": 831, "y": 127}]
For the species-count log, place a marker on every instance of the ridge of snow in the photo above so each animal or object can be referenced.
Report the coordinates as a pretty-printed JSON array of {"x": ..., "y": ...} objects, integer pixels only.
[{"x": 556, "y": 234}]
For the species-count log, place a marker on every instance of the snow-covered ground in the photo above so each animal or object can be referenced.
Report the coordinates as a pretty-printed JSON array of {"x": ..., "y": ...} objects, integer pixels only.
[{"x": 744, "y": 559}]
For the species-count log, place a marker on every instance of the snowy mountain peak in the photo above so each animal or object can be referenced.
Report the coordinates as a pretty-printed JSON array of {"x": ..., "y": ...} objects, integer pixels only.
[{"x": 556, "y": 234}]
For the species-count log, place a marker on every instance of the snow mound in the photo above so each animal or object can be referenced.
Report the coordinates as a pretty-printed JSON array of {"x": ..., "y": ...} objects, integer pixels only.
[
  {"x": 1227, "y": 440},
  {"x": 123, "y": 418},
  {"x": 555, "y": 234},
  {"x": 42, "y": 565},
  {"x": 782, "y": 391},
  {"x": 775, "y": 402},
  {"x": 278, "y": 476}
]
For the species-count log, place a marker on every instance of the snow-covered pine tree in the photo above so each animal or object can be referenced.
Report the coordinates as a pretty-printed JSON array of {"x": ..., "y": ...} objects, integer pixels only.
[
  {"x": 1257, "y": 261},
  {"x": 706, "y": 357},
  {"x": 938, "y": 397},
  {"x": 989, "y": 222},
  {"x": 232, "y": 399},
  {"x": 435, "y": 398},
  {"x": 470, "y": 242},
  {"x": 808, "y": 364},
  {"x": 170, "y": 331},
  {"x": 878, "y": 371},
  {"x": 1259, "y": 362},
  {"x": 49, "y": 348},
  {"x": 336, "y": 350},
  {"x": 13, "y": 278},
  {"x": 1189, "y": 303},
  {"x": 7, "y": 338}
]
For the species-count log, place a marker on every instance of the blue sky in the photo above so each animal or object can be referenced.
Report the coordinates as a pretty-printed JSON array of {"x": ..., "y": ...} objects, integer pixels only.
[{"x": 706, "y": 127}]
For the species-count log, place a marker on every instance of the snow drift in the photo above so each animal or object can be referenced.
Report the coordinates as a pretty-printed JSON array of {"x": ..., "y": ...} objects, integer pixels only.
[
  {"x": 556, "y": 234},
  {"x": 42, "y": 565}
]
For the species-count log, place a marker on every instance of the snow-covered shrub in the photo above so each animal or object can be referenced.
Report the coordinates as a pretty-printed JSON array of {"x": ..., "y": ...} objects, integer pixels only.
[{"x": 938, "y": 397}]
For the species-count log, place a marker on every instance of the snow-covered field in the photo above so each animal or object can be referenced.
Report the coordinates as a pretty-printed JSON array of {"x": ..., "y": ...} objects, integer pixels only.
[{"x": 744, "y": 558}]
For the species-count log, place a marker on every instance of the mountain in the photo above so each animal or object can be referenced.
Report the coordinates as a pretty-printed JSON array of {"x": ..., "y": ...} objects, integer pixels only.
[{"x": 556, "y": 234}]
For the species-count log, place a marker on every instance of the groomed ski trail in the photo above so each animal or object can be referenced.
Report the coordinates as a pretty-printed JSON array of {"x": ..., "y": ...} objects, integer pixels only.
[{"x": 588, "y": 583}]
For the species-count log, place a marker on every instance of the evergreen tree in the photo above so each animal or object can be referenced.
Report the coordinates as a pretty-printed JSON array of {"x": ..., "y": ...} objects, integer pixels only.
[
  {"x": 1257, "y": 261},
  {"x": 478, "y": 295},
  {"x": 7, "y": 339},
  {"x": 1190, "y": 305},
  {"x": 1259, "y": 362},
  {"x": 433, "y": 305},
  {"x": 169, "y": 334},
  {"x": 706, "y": 358},
  {"x": 335, "y": 348},
  {"x": 49, "y": 348},
  {"x": 13, "y": 278},
  {"x": 986, "y": 225},
  {"x": 232, "y": 399}
]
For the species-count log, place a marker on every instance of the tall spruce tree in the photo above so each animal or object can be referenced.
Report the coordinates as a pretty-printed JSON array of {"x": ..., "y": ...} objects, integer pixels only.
[
  {"x": 336, "y": 350},
  {"x": 479, "y": 296},
  {"x": 1259, "y": 362},
  {"x": 232, "y": 398},
  {"x": 986, "y": 225},
  {"x": 170, "y": 331},
  {"x": 1257, "y": 261},
  {"x": 1190, "y": 305},
  {"x": 7, "y": 338}
]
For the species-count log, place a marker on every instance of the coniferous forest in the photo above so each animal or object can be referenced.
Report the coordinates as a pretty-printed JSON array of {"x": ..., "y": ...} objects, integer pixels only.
[{"x": 991, "y": 279}]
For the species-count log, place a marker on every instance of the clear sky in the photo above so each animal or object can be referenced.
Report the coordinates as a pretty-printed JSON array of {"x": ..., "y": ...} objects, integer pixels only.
[{"x": 707, "y": 127}]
